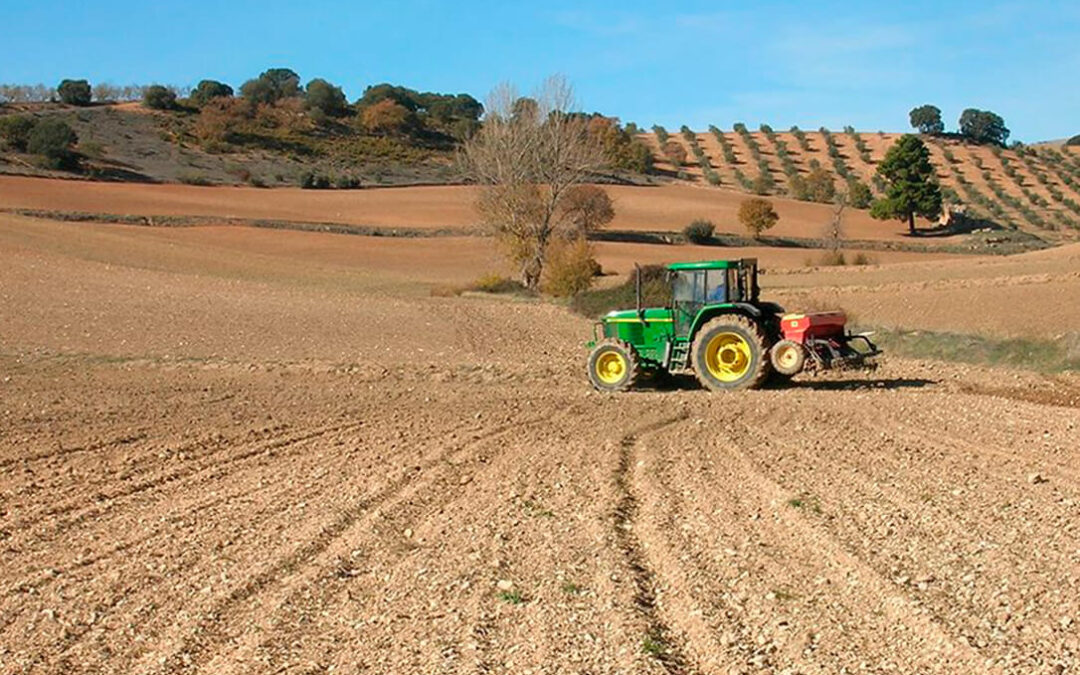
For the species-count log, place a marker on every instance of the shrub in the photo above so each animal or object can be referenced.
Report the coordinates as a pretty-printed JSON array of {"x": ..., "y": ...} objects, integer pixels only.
[
  {"x": 832, "y": 259},
  {"x": 495, "y": 283},
  {"x": 15, "y": 131},
  {"x": 675, "y": 152},
  {"x": 859, "y": 195},
  {"x": 75, "y": 92},
  {"x": 570, "y": 267},
  {"x": 325, "y": 97},
  {"x": 587, "y": 208},
  {"x": 388, "y": 118},
  {"x": 241, "y": 172},
  {"x": 699, "y": 232},
  {"x": 819, "y": 185},
  {"x": 310, "y": 180},
  {"x": 220, "y": 120},
  {"x": 208, "y": 90},
  {"x": 92, "y": 149},
  {"x": 862, "y": 259},
  {"x": 53, "y": 139},
  {"x": 346, "y": 182},
  {"x": 764, "y": 183},
  {"x": 757, "y": 215},
  {"x": 188, "y": 178},
  {"x": 158, "y": 97},
  {"x": 661, "y": 133}
]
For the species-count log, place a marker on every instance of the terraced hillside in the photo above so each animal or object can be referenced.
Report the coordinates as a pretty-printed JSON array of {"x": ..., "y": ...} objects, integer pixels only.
[{"x": 1033, "y": 188}]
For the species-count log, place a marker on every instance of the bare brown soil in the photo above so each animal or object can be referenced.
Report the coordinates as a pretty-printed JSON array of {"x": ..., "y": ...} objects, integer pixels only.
[
  {"x": 664, "y": 208},
  {"x": 233, "y": 450}
]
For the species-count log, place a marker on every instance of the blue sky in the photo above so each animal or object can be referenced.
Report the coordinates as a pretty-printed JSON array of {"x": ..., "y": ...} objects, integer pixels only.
[{"x": 695, "y": 63}]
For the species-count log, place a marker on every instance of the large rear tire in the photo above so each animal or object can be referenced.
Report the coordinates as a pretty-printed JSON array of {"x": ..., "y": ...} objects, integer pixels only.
[
  {"x": 730, "y": 352},
  {"x": 613, "y": 366}
]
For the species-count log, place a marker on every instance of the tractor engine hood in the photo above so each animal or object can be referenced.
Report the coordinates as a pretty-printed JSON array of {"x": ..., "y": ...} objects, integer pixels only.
[{"x": 631, "y": 315}]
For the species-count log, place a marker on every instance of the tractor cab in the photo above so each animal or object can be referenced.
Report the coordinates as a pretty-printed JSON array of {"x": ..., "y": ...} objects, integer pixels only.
[
  {"x": 699, "y": 284},
  {"x": 715, "y": 325}
]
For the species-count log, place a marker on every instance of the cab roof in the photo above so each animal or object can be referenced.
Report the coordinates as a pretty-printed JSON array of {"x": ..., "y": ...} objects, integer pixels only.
[{"x": 712, "y": 264}]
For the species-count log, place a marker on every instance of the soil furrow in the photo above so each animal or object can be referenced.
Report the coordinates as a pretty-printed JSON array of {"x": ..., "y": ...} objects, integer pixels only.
[
  {"x": 658, "y": 640},
  {"x": 125, "y": 439},
  {"x": 201, "y": 473},
  {"x": 197, "y": 650}
]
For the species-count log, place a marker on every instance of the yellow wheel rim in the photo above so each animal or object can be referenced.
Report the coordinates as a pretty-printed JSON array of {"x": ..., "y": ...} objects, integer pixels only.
[
  {"x": 610, "y": 367},
  {"x": 788, "y": 356},
  {"x": 727, "y": 356}
]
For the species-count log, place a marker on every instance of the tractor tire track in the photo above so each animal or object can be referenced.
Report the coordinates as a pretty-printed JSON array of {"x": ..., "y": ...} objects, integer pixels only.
[
  {"x": 399, "y": 506},
  {"x": 126, "y": 439},
  {"x": 931, "y": 626},
  {"x": 201, "y": 474},
  {"x": 212, "y": 632},
  {"x": 251, "y": 522},
  {"x": 658, "y": 635}
]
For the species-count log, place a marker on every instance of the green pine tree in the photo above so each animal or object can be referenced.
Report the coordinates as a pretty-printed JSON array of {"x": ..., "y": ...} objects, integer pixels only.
[{"x": 910, "y": 189}]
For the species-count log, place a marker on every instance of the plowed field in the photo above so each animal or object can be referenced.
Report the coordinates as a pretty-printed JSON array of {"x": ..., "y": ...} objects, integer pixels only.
[{"x": 277, "y": 458}]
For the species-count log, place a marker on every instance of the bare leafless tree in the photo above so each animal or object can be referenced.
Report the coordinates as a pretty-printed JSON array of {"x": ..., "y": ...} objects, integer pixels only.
[
  {"x": 527, "y": 157},
  {"x": 834, "y": 230}
]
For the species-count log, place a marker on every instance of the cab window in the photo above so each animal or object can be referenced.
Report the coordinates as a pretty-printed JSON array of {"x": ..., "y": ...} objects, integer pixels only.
[
  {"x": 716, "y": 286},
  {"x": 688, "y": 287}
]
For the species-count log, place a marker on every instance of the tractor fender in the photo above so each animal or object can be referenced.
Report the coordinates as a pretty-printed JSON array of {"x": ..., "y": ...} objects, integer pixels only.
[{"x": 709, "y": 313}]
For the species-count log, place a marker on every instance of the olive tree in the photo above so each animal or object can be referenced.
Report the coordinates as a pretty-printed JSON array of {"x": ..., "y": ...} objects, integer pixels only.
[{"x": 528, "y": 159}]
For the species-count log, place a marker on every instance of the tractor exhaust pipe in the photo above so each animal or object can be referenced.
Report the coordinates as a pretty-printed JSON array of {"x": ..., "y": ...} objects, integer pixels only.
[{"x": 637, "y": 287}]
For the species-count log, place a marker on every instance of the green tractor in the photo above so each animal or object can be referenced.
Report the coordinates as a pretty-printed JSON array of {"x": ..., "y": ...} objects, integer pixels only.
[{"x": 717, "y": 328}]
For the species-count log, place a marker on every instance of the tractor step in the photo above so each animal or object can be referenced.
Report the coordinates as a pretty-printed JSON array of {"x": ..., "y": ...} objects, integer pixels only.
[{"x": 678, "y": 356}]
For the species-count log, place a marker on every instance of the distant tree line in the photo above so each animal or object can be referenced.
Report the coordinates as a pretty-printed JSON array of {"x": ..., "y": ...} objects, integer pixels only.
[
  {"x": 75, "y": 93},
  {"x": 275, "y": 104}
]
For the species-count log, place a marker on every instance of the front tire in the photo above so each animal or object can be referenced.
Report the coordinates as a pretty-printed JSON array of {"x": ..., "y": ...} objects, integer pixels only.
[
  {"x": 729, "y": 353},
  {"x": 613, "y": 366}
]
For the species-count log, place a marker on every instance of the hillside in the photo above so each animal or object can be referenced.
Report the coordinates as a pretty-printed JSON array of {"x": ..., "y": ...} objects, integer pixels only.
[
  {"x": 1033, "y": 188},
  {"x": 128, "y": 142}
]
